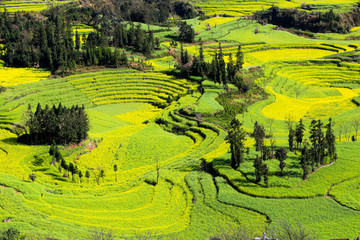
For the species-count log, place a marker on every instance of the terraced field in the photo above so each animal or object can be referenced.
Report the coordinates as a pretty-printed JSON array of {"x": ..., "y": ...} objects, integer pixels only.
[
  {"x": 132, "y": 205},
  {"x": 29, "y": 5},
  {"x": 247, "y": 7},
  {"x": 174, "y": 179}
]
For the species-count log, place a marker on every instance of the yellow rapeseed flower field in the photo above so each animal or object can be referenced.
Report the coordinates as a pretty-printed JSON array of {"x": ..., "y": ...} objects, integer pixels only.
[
  {"x": 261, "y": 57},
  {"x": 16, "y": 76}
]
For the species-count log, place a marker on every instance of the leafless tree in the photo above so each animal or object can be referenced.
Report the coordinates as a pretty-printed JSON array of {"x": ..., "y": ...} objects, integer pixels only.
[
  {"x": 100, "y": 234},
  {"x": 289, "y": 120},
  {"x": 233, "y": 234},
  {"x": 355, "y": 124},
  {"x": 340, "y": 131},
  {"x": 288, "y": 231},
  {"x": 98, "y": 174}
]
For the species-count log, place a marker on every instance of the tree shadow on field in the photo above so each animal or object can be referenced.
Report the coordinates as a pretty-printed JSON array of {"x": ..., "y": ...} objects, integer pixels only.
[
  {"x": 41, "y": 169},
  {"x": 10, "y": 141},
  {"x": 188, "y": 168},
  {"x": 55, "y": 176}
]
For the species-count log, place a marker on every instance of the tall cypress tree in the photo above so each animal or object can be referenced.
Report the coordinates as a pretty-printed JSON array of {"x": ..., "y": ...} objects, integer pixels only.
[
  {"x": 231, "y": 69},
  {"x": 305, "y": 158},
  {"x": 330, "y": 140},
  {"x": 258, "y": 168},
  {"x": 77, "y": 40},
  {"x": 291, "y": 139},
  {"x": 239, "y": 59},
  {"x": 236, "y": 138},
  {"x": 299, "y": 133},
  {"x": 259, "y": 135},
  {"x": 221, "y": 67}
]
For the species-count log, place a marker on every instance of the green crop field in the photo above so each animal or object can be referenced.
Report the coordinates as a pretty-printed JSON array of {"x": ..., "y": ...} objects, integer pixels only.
[
  {"x": 167, "y": 133},
  {"x": 247, "y": 7},
  {"x": 29, "y": 5}
]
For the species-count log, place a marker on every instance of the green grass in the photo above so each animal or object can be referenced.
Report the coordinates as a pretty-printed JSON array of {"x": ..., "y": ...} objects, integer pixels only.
[
  {"x": 29, "y": 5},
  {"x": 247, "y": 7},
  {"x": 134, "y": 125},
  {"x": 313, "y": 213}
]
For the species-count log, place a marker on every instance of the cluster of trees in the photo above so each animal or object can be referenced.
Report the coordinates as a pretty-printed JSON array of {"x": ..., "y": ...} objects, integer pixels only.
[
  {"x": 223, "y": 73},
  {"x": 154, "y": 11},
  {"x": 261, "y": 168},
  {"x": 53, "y": 124},
  {"x": 120, "y": 35},
  {"x": 72, "y": 168},
  {"x": 322, "y": 139},
  {"x": 29, "y": 42},
  {"x": 217, "y": 70},
  {"x": 310, "y": 21},
  {"x": 186, "y": 33}
]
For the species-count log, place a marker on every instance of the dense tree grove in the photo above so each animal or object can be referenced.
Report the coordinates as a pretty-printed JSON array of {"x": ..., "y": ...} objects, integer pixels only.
[
  {"x": 310, "y": 21},
  {"x": 217, "y": 70},
  {"x": 55, "y": 124},
  {"x": 30, "y": 42},
  {"x": 186, "y": 33},
  {"x": 154, "y": 11}
]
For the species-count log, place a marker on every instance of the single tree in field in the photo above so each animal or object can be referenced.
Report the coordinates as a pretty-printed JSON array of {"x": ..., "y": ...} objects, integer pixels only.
[
  {"x": 305, "y": 158},
  {"x": 236, "y": 139},
  {"x": 65, "y": 166},
  {"x": 291, "y": 139},
  {"x": 231, "y": 69},
  {"x": 157, "y": 171},
  {"x": 265, "y": 173},
  {"x": 356, "y": 124},
  {"x": 299, "y": 133},
  {"x": 77, "y": 40},
  {"x": 32, "y": 177},
  {"x": 12, "y": 234},
  {"x": 340, "y": 130},
  {"x": 72, "y": 170},
  {"x": 98, "y": 174},
  {"x": 186, "y": 33},
  {"x": 87, "y": 175},
  {"x": 239, "y": 59},
  {"x": 281, "y": 155},
  {"x": 52, "y": 149},
  {"x": 76, "y": 171},
  {"x": 221, "y": 67},
  {"x": 102, "y": 174},
  {"x": 317, "y": 140},
  {"x": 259, "y": 135},
  {"x": 258, "y": 170},
  {"x": 330, "y": 140},
  {"x": 115, "y": 170},
  {"x": 80, "y": 175}
]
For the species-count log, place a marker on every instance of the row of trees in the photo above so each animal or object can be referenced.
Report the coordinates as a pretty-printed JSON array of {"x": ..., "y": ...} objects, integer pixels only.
[
  {"x": 53, "y": 124},
  {"x": 322, "y": 139}
]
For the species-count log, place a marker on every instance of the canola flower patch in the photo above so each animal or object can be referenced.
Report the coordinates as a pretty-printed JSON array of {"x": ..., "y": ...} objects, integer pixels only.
[
  {"x": 29, "y": 5},
  {"x": 16, "y": 76}
]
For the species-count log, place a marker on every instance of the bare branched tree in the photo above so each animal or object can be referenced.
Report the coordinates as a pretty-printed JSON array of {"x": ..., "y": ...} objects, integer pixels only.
[
  {"x": 355, "y": 124},
  {"x": 233, "y": 234},
  {"x": 288, "y": 231},
  {"x": 100, "y": 234}
]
